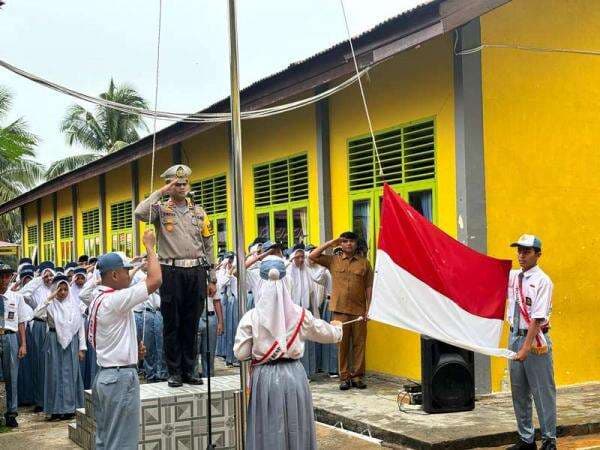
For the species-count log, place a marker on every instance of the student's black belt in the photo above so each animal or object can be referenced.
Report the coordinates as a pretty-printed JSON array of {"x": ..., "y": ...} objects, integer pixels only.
[
  {"x": 5, "y": 331},
  {"x": 210, "y": 313},
  {"x": 52, "y": 330},
  {"x": 130, "y": 366},
  {"x": 523, "y": 332},
  {"x": 38, "y": 319}
]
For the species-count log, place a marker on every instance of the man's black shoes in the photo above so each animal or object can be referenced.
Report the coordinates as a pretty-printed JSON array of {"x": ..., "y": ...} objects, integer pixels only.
[
  {"x": 345, "y": 385},
  {"x": 550, "y": 444},
  {"x": 359, "y": 384},
  {"x": 522, "y": 445},
  {"x": 175, "y": 381},
  {"x": 191, "y": 379},
  {"x": 11, "y": 421}
]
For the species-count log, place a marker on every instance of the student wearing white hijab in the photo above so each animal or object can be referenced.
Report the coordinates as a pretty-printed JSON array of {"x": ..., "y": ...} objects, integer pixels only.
[
  {"x": 273, "y": 334},
  {"x": 303, "y": 292},
  {"x": 64, "y": 347},
  {"x": 35, "y": 293}
]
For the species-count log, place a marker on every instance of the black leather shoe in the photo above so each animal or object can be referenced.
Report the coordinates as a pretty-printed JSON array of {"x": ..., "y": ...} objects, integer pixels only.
[
  {"x": 11, "y": 422},
  {"x": 359, "y": 384},
  {"x": 550, "y": 444},
  {"x": 522, "y": 445},
  {"x": 174, "y": 381},
  {"x": 38, "y": 409},
  {"x": 192, "y": 379},
  {"x": 345, "y": 385}
]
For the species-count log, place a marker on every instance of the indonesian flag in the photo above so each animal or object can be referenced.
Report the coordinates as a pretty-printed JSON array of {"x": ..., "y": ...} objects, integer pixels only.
[{"x": 429, "y": 283}]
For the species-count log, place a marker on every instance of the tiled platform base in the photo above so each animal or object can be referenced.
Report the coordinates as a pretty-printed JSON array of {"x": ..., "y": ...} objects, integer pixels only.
[{"x": 175, "y": 418}]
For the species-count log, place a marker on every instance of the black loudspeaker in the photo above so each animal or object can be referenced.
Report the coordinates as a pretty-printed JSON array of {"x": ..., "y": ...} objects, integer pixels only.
[{"x": 447, "y": 376}]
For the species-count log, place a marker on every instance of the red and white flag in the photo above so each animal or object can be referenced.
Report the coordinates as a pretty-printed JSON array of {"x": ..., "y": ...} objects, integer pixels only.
[{"x": 429, "y": 283}]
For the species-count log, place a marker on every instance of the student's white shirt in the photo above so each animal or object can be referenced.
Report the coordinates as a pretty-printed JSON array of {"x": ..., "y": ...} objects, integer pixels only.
[
  {"x": 537, "y": 290},
  {"x": 116, "y": 343},
  {"x": 311, "y": 329},
  {"x": 16, "y": 310},
  {"x": 35, "y": 292}
]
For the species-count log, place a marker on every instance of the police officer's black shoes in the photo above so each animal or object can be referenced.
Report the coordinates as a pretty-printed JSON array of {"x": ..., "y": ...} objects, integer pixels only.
[
  {"x": 345, "y": 385},
  {"x": 191, "y": 379},
  {"x": 175, "y": 381},
  {"x": 522, "y": 445},
  {"x": 550, "y": 444},
  {"x": 11, "y": 421}
]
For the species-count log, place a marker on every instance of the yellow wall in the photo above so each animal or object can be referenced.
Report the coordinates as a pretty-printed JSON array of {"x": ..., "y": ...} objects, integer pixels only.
[
  {"x": 29, "y": 219},
  {"x": 541, "y": 157},
  {"x": 162, "y": 161},
  {"x": 63, "y": 210},
  {"x": 415, "y": 85},
  {"x": 118, "y": 189},
  {"x": 88, "y": 198},
  {"x": 47, "y": 215},
  {"x": 274, "y": 138}
]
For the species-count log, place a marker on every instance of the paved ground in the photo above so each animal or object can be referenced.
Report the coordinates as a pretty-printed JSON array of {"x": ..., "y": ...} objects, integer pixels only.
[
  {"x": 378, "y": 408},
  {"x": 491, "y": 423}
]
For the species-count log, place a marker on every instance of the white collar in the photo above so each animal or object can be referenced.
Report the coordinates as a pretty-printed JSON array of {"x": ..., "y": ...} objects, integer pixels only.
[{"x": 535, "y": 269}]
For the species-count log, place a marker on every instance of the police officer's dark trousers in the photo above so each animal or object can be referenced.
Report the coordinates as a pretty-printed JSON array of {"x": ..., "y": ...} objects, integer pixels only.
[{"x": 182, "y": 301}]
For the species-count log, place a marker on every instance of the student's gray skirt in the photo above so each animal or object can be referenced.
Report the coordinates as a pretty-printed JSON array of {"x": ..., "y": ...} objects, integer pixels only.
[
  {"x": 280, "y": 412},
  {"x": 63, "y": 392}
]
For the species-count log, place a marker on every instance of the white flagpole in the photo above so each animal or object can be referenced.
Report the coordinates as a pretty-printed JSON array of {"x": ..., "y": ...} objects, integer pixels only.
[{"x": 236, "y": 198}]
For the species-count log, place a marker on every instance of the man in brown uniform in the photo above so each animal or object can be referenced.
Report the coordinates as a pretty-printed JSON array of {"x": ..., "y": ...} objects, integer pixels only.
[
  {"x": 185, "y": 249},
  {"x": 352, "y": 278}
]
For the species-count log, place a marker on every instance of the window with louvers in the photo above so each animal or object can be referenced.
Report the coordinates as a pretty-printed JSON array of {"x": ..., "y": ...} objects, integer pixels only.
[
  {"x": 281, "y": 181},
  {"x": 91, "y": 222},
  {"x": 121, "y": 215},
  {"x": 211, "y": 194},
  {"x": 407, "y": 154},
  {"x": 32, "y": 234},
  {"x": 48, "y": 231},
  {"x": 66, "y": 227}
]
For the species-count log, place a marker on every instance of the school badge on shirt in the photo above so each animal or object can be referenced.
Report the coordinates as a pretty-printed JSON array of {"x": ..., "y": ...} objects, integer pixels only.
[{"x": 527, "y": 301}]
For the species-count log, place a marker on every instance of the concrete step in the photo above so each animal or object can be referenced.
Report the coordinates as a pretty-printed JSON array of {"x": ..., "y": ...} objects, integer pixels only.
[{"x": 75, "y": 434}]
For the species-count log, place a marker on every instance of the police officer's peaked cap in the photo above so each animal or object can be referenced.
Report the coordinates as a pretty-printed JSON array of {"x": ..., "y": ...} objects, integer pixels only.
[{"x": 180, "y": 171}]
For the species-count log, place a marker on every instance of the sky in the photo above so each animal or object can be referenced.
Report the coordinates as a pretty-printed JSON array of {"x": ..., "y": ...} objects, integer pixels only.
[{"x": 82, "y": 44}]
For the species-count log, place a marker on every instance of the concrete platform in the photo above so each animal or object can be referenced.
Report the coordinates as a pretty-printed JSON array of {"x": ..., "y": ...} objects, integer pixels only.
[{"x": 492, "y": 423}]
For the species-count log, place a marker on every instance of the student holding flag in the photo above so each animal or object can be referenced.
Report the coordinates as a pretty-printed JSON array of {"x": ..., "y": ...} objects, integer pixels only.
[{"x": 531, "y": 372}]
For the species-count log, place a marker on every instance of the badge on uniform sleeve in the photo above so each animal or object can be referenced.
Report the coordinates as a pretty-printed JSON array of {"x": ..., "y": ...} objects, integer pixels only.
[
  {"x": 527, "y": 301},
  {"x": 207, "y": 228}
]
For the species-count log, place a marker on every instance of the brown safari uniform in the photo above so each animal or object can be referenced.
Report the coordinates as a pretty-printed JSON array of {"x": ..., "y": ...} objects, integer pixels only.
[{"x": 351, "y": 277}]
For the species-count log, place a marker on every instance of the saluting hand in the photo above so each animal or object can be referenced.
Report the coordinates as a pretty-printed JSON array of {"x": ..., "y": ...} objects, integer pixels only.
[
  {"x": 149, "y": 239},
  {"x": 334, "y": 243},
  {"x": 167, "y": 188}
]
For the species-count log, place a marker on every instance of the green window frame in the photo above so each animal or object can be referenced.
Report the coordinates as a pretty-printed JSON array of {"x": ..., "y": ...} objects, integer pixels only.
[
  {"x": 66, "y": 239},
  {"x": 408, "y": 159},
  {"x": 281, "y": 199},
  {"x": 211, "y": 194},
  {"x": 121, "y": 227},
  {"x": 48, "y": 248},
  {"x": 90, "y": 220},
  {"x": 32, "y": 240}
]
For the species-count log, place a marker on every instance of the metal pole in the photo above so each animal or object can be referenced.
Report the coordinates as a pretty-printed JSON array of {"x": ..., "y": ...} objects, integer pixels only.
[{"x": 236, "y": 198}]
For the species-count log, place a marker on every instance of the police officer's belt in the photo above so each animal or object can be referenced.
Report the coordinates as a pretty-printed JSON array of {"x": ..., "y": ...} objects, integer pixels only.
[
  {"x": 180, "y": 262},
  {"x": 523, "y": 332},
  {"x": 5, "y": 331}
]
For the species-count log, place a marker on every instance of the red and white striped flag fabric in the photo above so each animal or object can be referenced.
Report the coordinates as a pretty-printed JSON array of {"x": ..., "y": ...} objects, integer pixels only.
[{"x": 429, "y": 283}]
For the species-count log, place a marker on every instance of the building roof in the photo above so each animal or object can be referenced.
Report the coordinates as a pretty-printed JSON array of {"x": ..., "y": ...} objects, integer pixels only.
[{"x": 399, "y": 33}]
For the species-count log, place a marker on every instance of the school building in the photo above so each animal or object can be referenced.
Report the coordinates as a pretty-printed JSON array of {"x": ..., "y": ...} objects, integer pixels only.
[{"x": 486, "y": 119}]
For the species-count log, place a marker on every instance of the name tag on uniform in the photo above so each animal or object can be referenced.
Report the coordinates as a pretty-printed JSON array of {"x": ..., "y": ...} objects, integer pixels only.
[
  {"x": 11, "y": 315},
  {"x": 527, "y": 301}
]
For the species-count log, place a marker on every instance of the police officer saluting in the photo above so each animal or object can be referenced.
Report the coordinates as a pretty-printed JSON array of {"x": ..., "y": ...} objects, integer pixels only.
[{"x": 185, "y": 249}]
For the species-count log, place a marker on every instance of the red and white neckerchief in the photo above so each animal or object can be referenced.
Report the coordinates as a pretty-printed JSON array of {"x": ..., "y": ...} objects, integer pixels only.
[
  {"x": 94, "y": 315},
  {"x": 540, "y": 340}
]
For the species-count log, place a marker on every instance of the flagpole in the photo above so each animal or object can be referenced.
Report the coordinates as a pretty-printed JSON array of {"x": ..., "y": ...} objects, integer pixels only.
[{"x": 235, "y": 160}]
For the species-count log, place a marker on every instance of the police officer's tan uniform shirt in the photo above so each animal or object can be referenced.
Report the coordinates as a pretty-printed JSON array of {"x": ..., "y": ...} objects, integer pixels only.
[
  {"x": 179, "y": 230},
  {"x": 350, "y": 278}
]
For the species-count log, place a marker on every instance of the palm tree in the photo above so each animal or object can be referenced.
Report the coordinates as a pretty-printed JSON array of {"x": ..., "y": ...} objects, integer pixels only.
[
  {"x": 103, "y": 132},
  {"x": 19, "y": 171}
]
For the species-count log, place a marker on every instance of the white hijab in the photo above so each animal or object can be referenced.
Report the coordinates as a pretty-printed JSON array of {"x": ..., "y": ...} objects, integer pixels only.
[
  {"x": 278, "y": 317},
  {"x": 300, "y": 282},
  {"x": 66, "y": 315}
]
